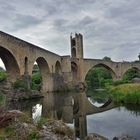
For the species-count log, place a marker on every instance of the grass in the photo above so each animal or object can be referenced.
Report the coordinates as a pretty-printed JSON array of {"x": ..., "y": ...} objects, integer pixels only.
[
  {"x": 34, "y": 135},
  {"x": 41, "y": 122},
  {"x": 19, "y": 84},
  {"x": 126, "y": 93},
  {"x": 9, "y": 131},
  {"x": 2, "y": 138}
]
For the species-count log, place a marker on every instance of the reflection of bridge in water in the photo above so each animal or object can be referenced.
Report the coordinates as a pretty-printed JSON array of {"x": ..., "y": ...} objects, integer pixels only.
[
  {"x": 69, "y": 108},
  {"x": 82, "y": 108}
]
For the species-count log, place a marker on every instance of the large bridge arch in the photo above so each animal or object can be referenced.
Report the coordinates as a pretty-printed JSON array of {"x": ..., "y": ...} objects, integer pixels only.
[
  {"x": 87, "y": 69},
  {"x": 11, "y": 64},
  {"x": 45, "y": 73}
]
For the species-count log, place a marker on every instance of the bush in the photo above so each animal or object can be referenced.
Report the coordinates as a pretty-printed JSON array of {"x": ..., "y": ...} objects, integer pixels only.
[
  {"x": 3, "y": 76},
  {"x": 36, "y": 78},
  {"x": 9, "y": 131},
  {"x": 41, "y": 121},
  {"x": 20, "y": 84},
  {"x": 34, "y": 135},
  {"x": 36, "y": 81},
  {"x": 119, "y": 82},
  {"x": 2, "y": 138}
]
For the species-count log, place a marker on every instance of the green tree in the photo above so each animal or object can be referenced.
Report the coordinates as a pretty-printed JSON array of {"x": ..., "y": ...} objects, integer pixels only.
[
  {"x": 35, "y": 69},
  {"x": 98, "y": 77},
  {"x": 107, "y": 58},
  {"x": 131, "y": 73},
  {"x": 36, "y": 78}
]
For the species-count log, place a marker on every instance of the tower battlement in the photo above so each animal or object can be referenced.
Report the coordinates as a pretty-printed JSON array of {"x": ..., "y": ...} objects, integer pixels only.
[{"x": 76, "y": 45}]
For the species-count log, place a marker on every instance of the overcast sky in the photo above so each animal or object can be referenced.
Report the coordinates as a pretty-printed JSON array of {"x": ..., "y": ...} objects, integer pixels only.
[{"x": 110, "y": 27}]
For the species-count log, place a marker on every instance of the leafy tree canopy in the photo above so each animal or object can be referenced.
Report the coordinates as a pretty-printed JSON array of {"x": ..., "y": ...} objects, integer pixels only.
[{"x": 107, "y": 58}]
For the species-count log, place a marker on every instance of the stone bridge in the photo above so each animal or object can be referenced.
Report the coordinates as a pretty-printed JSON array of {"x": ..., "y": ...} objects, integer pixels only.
[
  {"x": 19, "y": 57},
  {"x": 117, "y": 69},
  {"x": 57, "y": 71},
  {"x": 81, "y": 66}
]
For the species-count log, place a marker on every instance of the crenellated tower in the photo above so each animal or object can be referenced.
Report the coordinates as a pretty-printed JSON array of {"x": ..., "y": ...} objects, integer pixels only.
[
  {"x": 76, "y": 46},
  {"x": 77, "y": 59}
]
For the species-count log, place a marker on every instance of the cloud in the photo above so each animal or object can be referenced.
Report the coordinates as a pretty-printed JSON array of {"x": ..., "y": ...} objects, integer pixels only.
[
  {"x": 110, "y": 28},
  {"x": 24, "y": 21}
]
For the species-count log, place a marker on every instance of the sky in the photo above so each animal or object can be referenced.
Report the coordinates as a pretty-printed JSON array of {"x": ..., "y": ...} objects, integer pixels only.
[{"x": 109, "y": 27}]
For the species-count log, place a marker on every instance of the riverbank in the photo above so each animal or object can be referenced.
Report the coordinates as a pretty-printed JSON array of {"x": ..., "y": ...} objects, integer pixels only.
[
  {"x": 126, "y": 93},
  {"x": 16, "y": 125}
]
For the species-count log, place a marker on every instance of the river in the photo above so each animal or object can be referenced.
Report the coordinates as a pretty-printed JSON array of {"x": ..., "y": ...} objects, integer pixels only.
[{"x": 118, "y": 121}]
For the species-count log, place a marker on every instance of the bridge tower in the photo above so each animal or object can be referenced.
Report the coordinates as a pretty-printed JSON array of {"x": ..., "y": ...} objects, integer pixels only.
[
  {"x": 77, "y": 59},
  {"x": 76, "y": 46}
]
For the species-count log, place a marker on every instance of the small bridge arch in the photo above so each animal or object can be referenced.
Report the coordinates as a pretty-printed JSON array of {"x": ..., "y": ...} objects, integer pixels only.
[
  {"x": 58, "y": 69},
  {"x": 130, "y": 67}
]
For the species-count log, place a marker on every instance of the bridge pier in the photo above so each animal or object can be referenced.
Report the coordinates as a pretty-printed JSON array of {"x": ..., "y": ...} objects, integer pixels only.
[
  {"x": 80, "y": 125},
  {"x": 27, "y": 80},
  {"x": 80, "y": 120}
]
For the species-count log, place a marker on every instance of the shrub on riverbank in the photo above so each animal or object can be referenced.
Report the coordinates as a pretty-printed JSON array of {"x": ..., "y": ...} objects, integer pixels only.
[
  {"x": 126, "y": 93},
  {"x": 20, "y": 84},
  {"x": 3, "y": 76},
  {"x": 120, "y": 82}
]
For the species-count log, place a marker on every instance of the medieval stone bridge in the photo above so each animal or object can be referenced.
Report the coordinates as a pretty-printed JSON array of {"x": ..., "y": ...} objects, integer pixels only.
[{"x": 57, "y": 71}]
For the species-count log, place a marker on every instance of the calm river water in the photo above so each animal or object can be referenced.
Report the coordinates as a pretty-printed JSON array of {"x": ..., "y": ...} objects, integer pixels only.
[{"x": 118, "y": 121}]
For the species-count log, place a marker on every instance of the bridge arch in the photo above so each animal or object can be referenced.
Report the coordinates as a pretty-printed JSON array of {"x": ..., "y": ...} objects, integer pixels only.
[
  {"x": 134, "y": 69},
  {"x": 58, "y": 69},
  {"x": 113, "y": 74},
  {"x": 10, "y": 63},
  {"x": 44, "y": 71},
  {"x": 131, "y": 67}
]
